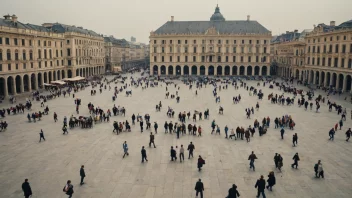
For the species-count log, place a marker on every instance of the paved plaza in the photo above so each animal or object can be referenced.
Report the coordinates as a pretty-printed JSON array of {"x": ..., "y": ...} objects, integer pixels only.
[{"x": 49, "y": 164}]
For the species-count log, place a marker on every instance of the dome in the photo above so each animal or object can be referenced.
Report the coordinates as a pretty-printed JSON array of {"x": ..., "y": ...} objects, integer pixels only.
[
  {"x": 347, "y": 24},
  {"x": 217, "y": 16}
]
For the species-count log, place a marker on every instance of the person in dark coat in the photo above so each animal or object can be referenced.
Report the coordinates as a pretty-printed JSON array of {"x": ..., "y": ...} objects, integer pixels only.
[
  {"x": 271, "y": 181},
  {"x": 144, "y": 154},
  {"x": 41, "y": 134},
  {"x": 82, "y": 174},
  {"x": 295, "y": 159},
  {"x": 199, "y": 188},
  {"x": 26, "y": 189},
  {"x": 233, "y": 193},
  {"x": 173, "y": 154},
  {"x": 260, "y": 185},
  {"x": 200, "y": 163}
]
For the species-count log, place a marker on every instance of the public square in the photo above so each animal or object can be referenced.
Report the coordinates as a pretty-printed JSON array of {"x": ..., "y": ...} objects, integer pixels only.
[{"x": 49, "y": 164}]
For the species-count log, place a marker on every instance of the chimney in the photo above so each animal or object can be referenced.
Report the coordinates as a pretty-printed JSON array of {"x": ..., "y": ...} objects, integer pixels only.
[
  {"x": 332, "y": 23},
  {"x": 296, "y": 31},
  {"x": 248, "y": 17},
  {"x": 172, "y": 18},
  {"x": 14, "y": 18},
  {"x": 7, "y": 17}
]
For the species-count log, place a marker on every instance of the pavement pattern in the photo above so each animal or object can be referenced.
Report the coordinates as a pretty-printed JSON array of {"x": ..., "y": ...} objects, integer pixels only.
[{"x": 49, "y": 164}]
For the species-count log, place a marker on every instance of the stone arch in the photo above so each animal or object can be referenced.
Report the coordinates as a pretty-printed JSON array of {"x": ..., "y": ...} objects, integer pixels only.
[
  {"x": 194, "y": 70},
  {"x": 211, "y": 70},
  {"x": 328, "y": 79},
  {"x": 69, "y": 73},
  {"x": 234, "y": 70},
  {"x": 340, "y": 82},
  {"x": 178, "y": 70},
  {"x": 219, "y": 70},
  {"x": 202, "y": 70},
  {"x": 10, "y": 85},
  {"x": 322, "y": 79},
  {"x": 334, "y": 78},
  {"x": 18, "y": 81},
  {"x": 40, "y": 77},
  {"x": 297, "y": 74},
  {"x": 249, "y": 70},
  {"x": 155, "y": 70},
  {"x": 264, "y": 70},
  {"x": 317, "y": 78},
  {"x": 185, "y": 70},
  {"x": 227, "y": 70},
  {"x": 26, "y": 83},
  {"x": 49, "y": 74},
  {"x": 348, "y": 83},
  {"x": 2, "y": 86},
  {"x": 242, "y": 71},
  {"x": 256, "y": 70},
  {"x": 45, "y": 77},
  {"x": 170, "y": 70},
  {"x": 58, "y": 75},
  {"x": 163, "y": 70}
]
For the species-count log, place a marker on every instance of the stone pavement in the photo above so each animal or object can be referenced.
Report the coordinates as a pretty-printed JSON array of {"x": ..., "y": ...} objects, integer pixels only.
[{"x": 48, "y": 165}]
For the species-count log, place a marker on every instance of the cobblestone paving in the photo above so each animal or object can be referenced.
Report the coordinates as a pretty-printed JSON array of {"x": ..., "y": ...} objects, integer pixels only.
[{"x": 48, "y": 165}]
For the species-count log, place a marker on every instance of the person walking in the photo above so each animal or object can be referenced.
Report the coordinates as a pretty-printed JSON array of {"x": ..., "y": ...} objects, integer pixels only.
[
  {"x": 276, "y": 160},
  {"x": 280, "y": 162},
  {"x": 331, "y": 134},
  {"x": 233, "y": 193},
  {"x": 252, "y": 157},
  {"x": 151, "y": 140},
  {"x": 320, "y": 170},
  {"x": 190, "y": 150},
  {"x": 144, "y": 154},
  {"x": 295, "y": 159},
  {"x": 260, "y": 185},
  {"x": 226, "y": 130},
  {"x": 141, "y": 125},
  {"x": 271, "y": 181},
  {"x": 316, "y": 169},
  {"x": 182, "y": 156},
  {"x": 348, "y": 134},
  {"x": 26, "y": 188},
  {"x": 295, "y": 139},
  {"x": 156, "y": 127},
  {"x": 173, "y": 154},
  {"x": 125, "y": 149},
  {"x": 282, "y": 132},
  {"x": 199, "y": 188},
  {"x": 82, "y": 173},
  {"x": 68, "y": 189},
  {"x": 200, "y": 163},
  {"x": 41, "y": 134}
]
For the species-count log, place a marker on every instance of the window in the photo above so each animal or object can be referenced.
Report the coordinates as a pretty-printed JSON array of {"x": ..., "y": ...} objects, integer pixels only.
[
  {"x": 308, "y": 60},
  {"x": 154, "y": 41},
  {"x": 179, "y": 42},
  {"x": 40, "y": 64},
  {"x": 162, "y": 58},
  {"x": 264, "y": 59},
  {"x": 8, "y": 54},
  {"x": 203, "y": 49},
  {"x": 49, "y": 43},
  {"x": 313, "y": 49},
  {"x": 186, "y": 49},
  {"x": 249, "y": 49},
  {"x": 234, "y": 59},
  {"x": 226, "y": 59},
  {"x": 162, "y": 50},
  {"x": 309, "y": 49},
  {"x": 170, "y": 41},
  {"x": 178, "y": 50},
  {"x": 0, "y": 40},
  {"x": 30, "y": 42},
  {"x": 194, "y": 59},
  {"x": 330, "y": 49},
  {"x": 45, "y": 54},
  {"x": 16, "y": 66},
  {"x": 31, "y": 55},
  {"x": 51, "y": 63},
  {"x": 234, "y": 41},
  {"x": 344, "y": 38},
  {"x": 234, "y": 49},
  {"x": 257, "y": 42},
  {"x": 219, "y": 59},
  {"x": 24, "y": 55},
  {"x": 57, "y": 63},
  {"x": 329, "y": 62},
  {"x": 242, "y": 49},
  {"x": 194, "y": 49},
  {"x": 44, "y": 43},
  {"x": 194, "y": 41},
  {"x": 186, "y": 42},
  {"x": 323, "y": 61},
  {"x": 203, "y": 58},
  {"x": 7, "y": 41},
  {"x": 318, "y": 61},
  {"x": 0, "y": 55},
  {"x": 330, "y": 38},
  {"x": 62, "y": 62},
  {"x": 178, "y": 58},
  {"x": 227, "y": 42},
  {"x": 318, "y": 49},
  {"x": 343, "y": 48},
  {"x": 163, "y": 42},
  {"x": 336, "y": 60},
  {"x": 257, "y": 50},
  {"x": 219, "y": 49},
  {"x": 0, "y": 67},
  {"x": 31, "y": 65},
  {"x": 242, "y": 41},
  {"x": 336, "y": 48},
  {"x": 170, "y": 58},
  {"x": 313, "y": 61},
  {"x": 350, "y": 63},
  {"x": 203, "y": 41},
  {"x": 154, "y": 58},
  {"x": 23, "y": 42},
  {"x": 15, "y": 41},
  {"x": 257, "y": 59},
  {"x": 264, "y": 41},
  {"x": 38, "y": 42},
  {"x": 351, "y": 48},
  {"x": 249, "y": 59},
  {"x": 170, "y": 49},
  {"x": 219, "y": 41},
  {"x": 9, "y": 67},
  {"x": 342, "y": 62},
  {"x": 39, "y": 54},
  {"x": 186, "y": 58},
  {"x": 241, "y": 59},
  {"x": 337, "y": 38},
  {"x": 67, "y": 42},
  {"x": 250, "y": 41},
  {"x": 154, "y": 49}
]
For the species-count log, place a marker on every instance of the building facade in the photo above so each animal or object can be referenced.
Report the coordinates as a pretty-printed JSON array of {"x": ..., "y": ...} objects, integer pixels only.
[
  {"x": 327, "y": 57},
  {"x": 116, "y": 51},
  {"x": 31, "y": 55},
  {"x": 215, "y": 47}
]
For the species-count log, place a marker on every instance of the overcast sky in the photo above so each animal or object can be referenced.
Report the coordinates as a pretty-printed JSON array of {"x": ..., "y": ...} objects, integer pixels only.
[{"x": 137, "y": 18}]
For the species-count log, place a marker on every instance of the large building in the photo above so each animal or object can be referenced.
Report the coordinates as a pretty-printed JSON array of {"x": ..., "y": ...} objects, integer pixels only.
[
  {"x": 31, "y": 55},
  {"x": 327, "y": 54},
  {"x": 214, "y": 47},
  {"x": 116, "y": 52}
]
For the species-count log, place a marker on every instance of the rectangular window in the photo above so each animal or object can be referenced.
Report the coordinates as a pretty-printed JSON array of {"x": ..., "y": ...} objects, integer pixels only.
[
  {"x": 241, "y": 59},
  {"x": 179, "y": 42},
  {"x": 154, "y": 41},
  {"x": 194, "y": 41},
  {"x": 308, "y": 61},
  {"x": 16, "y": 55},
  {"x": 170, "y": 41},
  {"x": 329, "y": 62},
  {"x": 9, "y": 67},
  {"x": 336, "y": 60},
  {"x": 194, "y": 49},
  {"x": 162, "y": 50},
  {"x": 30, "y": 42},
  {"x": 234, "y": 41},
  {"x": 249, "y": 49},
  {"x": 38, "y": 42},
  {"x": 170, "y": 58},
  {"x": 313, "y": 61},
  {"x": 257, "y": 59},
  {"x": 203, "y": 58},
  {"x": 68, "y": 52},
  {"x": 234, "y": 59},
  {"x": 351, "y": 48},
  {"x": 154, "y": 58},
  {"x": 242, "y": 41},
  {"x": 178, "y": 59},
  {"x": 170, "y": 49},
  {"x": 44, "y": 43},
  {"x": 234, "y": 49},
  {"x": 178, "y": 50},
  {"x": 203, "y": 49},
  {"x": 219, "y": 59},
  {"x": 0, "y": 56},
  {"x": 324, "y": 49},
  {"x": 318, "y": 61},
  {"x": 194, "y": 59},
  {"x": 32, "y": 65},
  {"x": 15, "y": 41},
  {"x": 219, "y": 41},
  {"x": 62, "y": 62},
  {"x": 227, "y": 42},
  {"x": 57, "y": 63},
  {"x": 40, "y": 64},
  {"x": 264, "y": 41},
  {"x": 242, "y": 49},
  {"x": 342, "y": 62},
  {"x": 7, "y": 41},
  {"x": 162, "y": 58},
  {"x": 24, "y": 56},
  {"x": 343, "y": 48},
  {"x": 186, "y": 58},
  {"x": 45, "y": 64},
  {"x": 250, "y": 41},
  {"x": 0, "y": 40},
  {"x": 0, "y": 67},
  {"x": 186, "y": 42},
  {"x": 257, "y": 42},
  {"x": 16, "y": 66},
  {"x": 51, "y": 63},
  {"x": 67, "y": 42},
  {"x": 23, "y": 42},
  {"x": 323, "y": 61},
  {"x": 186, "y": 49},
  {"x": 336, "y": 48},
  {"x": 203, "y": 41},
  {"x": 227, "y": 50},
  {"x": 350, "y": 63},
  {"x": 249, "y": 59},
  {"x": 154, "y": 49},
  {"x": 219, "y": 49},
  {"x": 227, "y": 59}
]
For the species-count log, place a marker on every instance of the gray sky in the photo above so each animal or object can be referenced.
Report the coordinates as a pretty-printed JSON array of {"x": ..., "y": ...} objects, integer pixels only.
[{"x": 137, "y": 18}]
